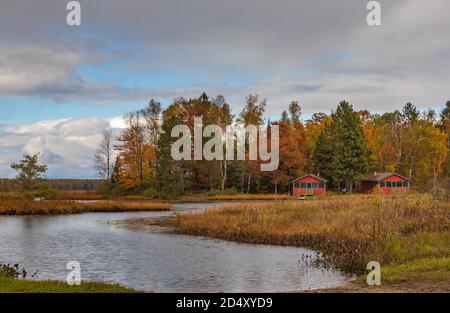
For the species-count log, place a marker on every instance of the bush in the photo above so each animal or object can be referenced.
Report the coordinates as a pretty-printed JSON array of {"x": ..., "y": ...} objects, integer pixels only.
[
  {"x": 230, "y": 191},
  {"x": 105, "y": 187},
  {"x": 169, "y": 195},
  {"x": 12, "y": 271},
  {"x": 150, "y": 193},
  {"x": 45, "y": 191},
  {"x": 440, "y": 193},
  {"x": 117, "y": 190},
  {"x": 217, "y": 192},
  {"x": 213, "y": 192},
  {"x": 377, "y": 190}
]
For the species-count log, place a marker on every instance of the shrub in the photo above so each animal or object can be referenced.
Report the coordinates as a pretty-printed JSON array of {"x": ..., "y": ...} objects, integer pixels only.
[
  {"x": 12, "y": 271},
  {"x": 230, "y": 191},
  {"x": 377, "y": 190},
  {"x": 213, "y": 192},
  {"x": 150, "y": 193},
  {"x": 44, "y": 190},
  {"x": 117, "y": 190},
  {"x": 105, "y": 188},
  {"x": 216, "y": 192}
]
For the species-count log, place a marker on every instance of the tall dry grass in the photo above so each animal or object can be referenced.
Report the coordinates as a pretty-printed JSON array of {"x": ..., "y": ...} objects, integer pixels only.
[
  {"x": 29, "y": 207},
  {"x": 349, "y": 230},
  {"x": 234, "y": 197}
]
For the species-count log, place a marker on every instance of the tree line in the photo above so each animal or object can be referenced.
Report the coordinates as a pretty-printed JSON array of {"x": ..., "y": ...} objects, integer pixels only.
[
  {"x": 341, "y": 147},
  {"x": 9, "y": 185}
]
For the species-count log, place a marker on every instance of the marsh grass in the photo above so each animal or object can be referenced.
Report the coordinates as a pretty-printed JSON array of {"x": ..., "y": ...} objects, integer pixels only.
[
  {"x": 234, "y": 197},
  {"x": 350, "y": 231},
  {"x": 29, "y": 207}
]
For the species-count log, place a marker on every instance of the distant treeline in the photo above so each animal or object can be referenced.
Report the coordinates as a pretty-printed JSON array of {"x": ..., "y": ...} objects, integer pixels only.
[{"x": 8, "y": 185}]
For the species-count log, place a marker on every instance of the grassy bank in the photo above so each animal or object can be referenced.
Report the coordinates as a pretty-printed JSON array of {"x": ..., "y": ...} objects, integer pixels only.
[
  {"x": 233, "y": 197},
  {"x": 408, "y": 235},
  {"x": 52, "y": 286},
  {"x": 29, "y": 207}
]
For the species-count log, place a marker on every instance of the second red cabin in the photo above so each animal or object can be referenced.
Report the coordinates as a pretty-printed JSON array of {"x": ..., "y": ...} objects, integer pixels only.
[
  {"x": 388, "y": 182},
  {"x": 309, "y": 185}
]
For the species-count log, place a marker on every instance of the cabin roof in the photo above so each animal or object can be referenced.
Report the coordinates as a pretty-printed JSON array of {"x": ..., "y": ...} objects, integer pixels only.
[
  {"x": 381, "y": 176},
  {"x": 312, "y": 175}
]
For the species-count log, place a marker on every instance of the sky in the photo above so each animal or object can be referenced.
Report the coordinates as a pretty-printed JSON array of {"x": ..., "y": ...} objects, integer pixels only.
[{"x": 61, "y": 85}]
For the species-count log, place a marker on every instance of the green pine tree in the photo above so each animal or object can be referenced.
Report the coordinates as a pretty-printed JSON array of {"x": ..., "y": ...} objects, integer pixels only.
[{"x": 350, "y": 159}]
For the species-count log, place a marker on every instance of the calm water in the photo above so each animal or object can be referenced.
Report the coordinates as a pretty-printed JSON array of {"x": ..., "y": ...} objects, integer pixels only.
[{"x": 153, "y": 260}]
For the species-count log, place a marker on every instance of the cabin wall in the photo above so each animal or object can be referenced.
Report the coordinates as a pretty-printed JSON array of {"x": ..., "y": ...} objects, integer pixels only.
[
  {"x": 303, "y": 191},
  {"x": 367, "y": 186},
  {"x": 395, "y": 189}
]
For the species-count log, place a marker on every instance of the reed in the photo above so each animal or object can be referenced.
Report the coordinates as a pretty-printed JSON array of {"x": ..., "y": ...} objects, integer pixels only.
[
  {"x": 234, "y": 197},
  {"x": 29, "y": 207},
  {"x": 349, "y": 230}
]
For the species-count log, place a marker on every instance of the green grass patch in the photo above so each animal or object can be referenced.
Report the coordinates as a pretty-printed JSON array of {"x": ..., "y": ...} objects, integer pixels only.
[
  {"x": 437, "y": 269},
  {"x": 51, "y": 286}
]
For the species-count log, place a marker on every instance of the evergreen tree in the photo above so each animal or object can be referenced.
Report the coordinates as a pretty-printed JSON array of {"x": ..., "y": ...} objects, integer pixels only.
[
  {"x": 445, "y": 127},
  {"x": 350, "y": 155},
  {"x": 115, "y": 172},
  {"x": 410, "y": 113},
  {"x": 29, "y": 171},
  {"x": 169, "y": 182},
  {"x": 445, "y": 117}
]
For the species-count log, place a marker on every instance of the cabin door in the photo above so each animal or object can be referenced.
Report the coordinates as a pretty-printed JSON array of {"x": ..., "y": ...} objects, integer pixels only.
[{"x": 309, "y": 190}]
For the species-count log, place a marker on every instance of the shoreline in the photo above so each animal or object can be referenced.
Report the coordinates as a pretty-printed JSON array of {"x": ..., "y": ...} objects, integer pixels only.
[
  {"x": 64, "y": 207},
  {"x": 164, "y": 224}
]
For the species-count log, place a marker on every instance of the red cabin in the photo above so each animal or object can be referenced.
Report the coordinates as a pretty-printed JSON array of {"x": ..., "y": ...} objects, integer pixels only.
[
  {"x": 309, "y": 185},
  {"x": 388, "y": 182}
]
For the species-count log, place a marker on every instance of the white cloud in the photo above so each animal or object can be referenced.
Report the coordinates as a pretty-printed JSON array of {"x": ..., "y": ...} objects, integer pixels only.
[{"x": 67, "y": 145}]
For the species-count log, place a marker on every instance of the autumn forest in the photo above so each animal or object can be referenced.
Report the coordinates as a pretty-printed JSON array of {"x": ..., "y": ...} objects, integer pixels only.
[{"x": 341, "y": 147}]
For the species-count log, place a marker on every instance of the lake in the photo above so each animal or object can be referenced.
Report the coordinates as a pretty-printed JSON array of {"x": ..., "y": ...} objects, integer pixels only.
[{"x": 155, "y": 260}]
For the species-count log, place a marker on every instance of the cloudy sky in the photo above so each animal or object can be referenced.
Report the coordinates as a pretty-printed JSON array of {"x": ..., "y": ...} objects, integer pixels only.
[{"x": 60, "y": 86}]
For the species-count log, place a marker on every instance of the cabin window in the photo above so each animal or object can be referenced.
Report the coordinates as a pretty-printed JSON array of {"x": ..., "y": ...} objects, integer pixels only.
[
  {"x": 405, "y": 184},
  {"x": 315, "y": 185},
  {"x": 388, "y": 184},
  {"x": 321, "y": 185},
  {"x": 300, "y": 185},
  {"x": 399, "y": 184}
]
